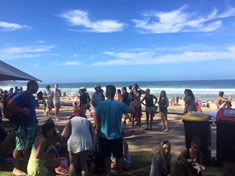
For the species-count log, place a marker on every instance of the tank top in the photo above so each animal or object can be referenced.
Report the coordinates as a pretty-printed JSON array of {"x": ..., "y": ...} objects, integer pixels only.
[{"x": 194, "y": 171}]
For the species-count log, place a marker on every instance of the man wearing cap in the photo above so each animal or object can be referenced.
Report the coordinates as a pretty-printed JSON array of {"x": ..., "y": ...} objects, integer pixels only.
[
  {"x": 220, "y": 100},
  {"x": 97, "y": 97}
]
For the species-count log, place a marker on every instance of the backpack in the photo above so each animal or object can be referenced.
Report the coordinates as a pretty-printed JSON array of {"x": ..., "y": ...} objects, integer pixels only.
[
  {"x": 96, "y": 163},
  {"x": 11, "y": 115}
]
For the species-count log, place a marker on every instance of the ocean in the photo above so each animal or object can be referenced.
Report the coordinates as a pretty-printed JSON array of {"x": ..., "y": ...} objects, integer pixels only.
[{"x": 203, "y": 89}]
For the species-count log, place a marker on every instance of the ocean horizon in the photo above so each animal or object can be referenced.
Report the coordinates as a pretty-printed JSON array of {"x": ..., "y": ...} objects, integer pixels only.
[{"x": 203, "y": 89}]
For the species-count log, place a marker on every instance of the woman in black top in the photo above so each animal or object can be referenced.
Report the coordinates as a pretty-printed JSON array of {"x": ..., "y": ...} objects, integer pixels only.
[
  {"x": 150, "y": 107},
  {"x": 163, "y": 104},
  {"x": 193, "y": 154},
  {"x": 189, "y": 100}
]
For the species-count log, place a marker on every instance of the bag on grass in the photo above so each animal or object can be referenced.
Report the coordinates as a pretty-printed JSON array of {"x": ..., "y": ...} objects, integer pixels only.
[
  {"x": 96, "y": 162},
  {"x": 63, "y": 168}
]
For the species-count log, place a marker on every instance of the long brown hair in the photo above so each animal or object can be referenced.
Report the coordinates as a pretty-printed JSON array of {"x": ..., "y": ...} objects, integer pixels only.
[
  {"x": 166, "y": 159},
  {"x": 182, "y": 167}
]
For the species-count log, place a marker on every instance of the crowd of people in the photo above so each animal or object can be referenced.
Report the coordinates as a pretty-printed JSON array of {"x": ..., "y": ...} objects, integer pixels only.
[{"x": 103, "y": 139}]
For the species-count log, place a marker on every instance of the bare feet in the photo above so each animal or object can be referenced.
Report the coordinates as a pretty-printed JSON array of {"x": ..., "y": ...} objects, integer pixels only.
[
  {"x": 166, "y": 130},
  {"x": 57, "y": 120},
  {"x": 18, "y": 172},
  {"x": 162, "y": 129}
]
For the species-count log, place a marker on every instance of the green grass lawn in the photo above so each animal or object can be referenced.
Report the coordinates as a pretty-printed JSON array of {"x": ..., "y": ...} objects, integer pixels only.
[{"x": 141, "y": 160}]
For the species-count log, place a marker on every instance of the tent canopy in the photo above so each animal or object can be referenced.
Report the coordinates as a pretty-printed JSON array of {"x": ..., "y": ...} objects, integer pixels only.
[{"x": 7, "y": 72}]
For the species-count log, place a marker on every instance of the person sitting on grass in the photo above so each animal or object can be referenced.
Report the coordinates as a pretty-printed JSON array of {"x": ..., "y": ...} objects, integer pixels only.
[
  {"x": 161, "y": 161},
  {"x": 193, "y": 154},
  {"x": 182, "y": 167},
  {"x": 41, "y": 163},
  {"x": 150, "y": 107},
  {"x": 126, "y": 157}
]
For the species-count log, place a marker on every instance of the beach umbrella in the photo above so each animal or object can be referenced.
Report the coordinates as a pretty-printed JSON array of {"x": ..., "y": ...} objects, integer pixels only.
[{"x": 8, "y": 72}]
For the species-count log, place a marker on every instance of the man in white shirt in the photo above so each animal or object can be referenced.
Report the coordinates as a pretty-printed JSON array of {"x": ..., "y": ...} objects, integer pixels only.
[
  {"x": 56, "y": 101},
  {"x": 48, "y": 99}
]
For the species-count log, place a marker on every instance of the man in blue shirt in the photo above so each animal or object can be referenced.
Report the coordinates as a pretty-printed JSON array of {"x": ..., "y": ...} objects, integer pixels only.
[
  {"x": 109, "y": 130},
  {"x": 23, "y": 104}
]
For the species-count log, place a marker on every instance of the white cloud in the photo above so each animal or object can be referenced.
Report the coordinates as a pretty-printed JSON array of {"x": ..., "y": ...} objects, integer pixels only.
[
  {"x": 180, "y": 55},
  {"x": 6, "y": 26},
  {"x": 75, "y": 55},
  {"x": 71, "y": 63},
  {"x": 181, "y": 20},
  {"x": 40, "y": 41},
  {"x": 81, "y": 18},
  {"x": 23, "y": 52},
  {"x": 53, "y": 63}
]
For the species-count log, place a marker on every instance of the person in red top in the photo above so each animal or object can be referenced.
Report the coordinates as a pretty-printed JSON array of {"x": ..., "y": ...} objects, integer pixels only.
[{"x": 119, "y": 95}]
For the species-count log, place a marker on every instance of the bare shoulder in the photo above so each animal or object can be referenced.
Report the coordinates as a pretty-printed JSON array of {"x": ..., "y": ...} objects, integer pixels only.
[{"x": 40, "y": 140}]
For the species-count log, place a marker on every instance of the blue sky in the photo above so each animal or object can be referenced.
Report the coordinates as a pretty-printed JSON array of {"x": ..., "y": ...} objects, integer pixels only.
[{"x": 119, "y": 40}]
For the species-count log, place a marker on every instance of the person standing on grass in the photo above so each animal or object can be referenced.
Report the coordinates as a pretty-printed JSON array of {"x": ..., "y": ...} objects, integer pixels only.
[
  {"x": 150, "y": 107},
  {"x": 24, "y": 105},
  {"x": 126, "y": 99},
  {"x": 84, "y": 100},
  {"x": 109, "y": 129},
  {"x": 56, "y": 94},
  {"x": 137, "y": 105},
  {"x": 97, "y": 97},
  {"x": 81, "y": 140},
  {"x": 163, "y": 104},
  {"x": 48, "y": 99}
]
